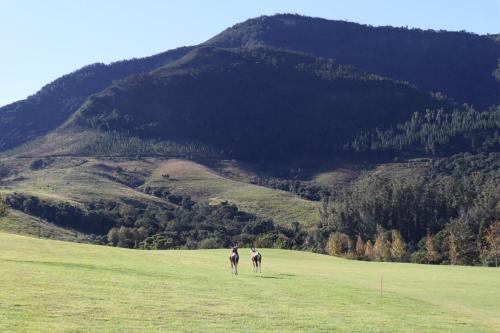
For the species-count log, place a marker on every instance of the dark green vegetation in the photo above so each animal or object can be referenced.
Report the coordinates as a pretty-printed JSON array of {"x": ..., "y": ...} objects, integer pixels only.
[
  {"x": 276, "y": 106},
  {"x": 434, "y": 133},
  {"x": 369, "y": 143},
  {"x": 459, "y": 64},
  {"x": 53, "y": 104},
  {"x": 438, "y": 217},
  {"x": 462, "y": 65}
]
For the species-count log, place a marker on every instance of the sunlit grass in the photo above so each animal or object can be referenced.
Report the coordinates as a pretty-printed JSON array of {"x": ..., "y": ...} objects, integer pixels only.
[
  {"x": 53, "y": 286},
  {"x": 192, "y": 179}
]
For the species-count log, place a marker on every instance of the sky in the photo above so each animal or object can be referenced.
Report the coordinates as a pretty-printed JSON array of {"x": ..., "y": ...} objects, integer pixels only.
[{"x": 40, "y": 40}]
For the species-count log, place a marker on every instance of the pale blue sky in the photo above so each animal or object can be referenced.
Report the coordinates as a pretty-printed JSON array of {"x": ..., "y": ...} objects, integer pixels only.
[{"x": 41, "y": 40}]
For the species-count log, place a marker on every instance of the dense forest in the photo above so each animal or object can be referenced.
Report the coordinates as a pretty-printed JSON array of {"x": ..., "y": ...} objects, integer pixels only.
[
  {"x": 434, "y": 132},
  {"x": 413, "y": 212}
]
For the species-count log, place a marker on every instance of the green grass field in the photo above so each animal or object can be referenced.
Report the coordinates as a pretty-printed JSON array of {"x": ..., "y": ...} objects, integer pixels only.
[{"x": 54, "y": 286}]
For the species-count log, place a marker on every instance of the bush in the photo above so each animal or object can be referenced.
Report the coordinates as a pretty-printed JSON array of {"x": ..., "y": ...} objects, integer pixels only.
[
  {"x": 209, "y": 243},
  {"x": 265, "y": 241},
  {"x": 39, "y": 164},
  {"x": 3, "y": 207}
]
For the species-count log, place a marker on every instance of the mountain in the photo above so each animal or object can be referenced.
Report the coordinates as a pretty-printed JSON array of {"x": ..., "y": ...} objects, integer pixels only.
[
  {"x": 458, "y": 64},
  {"x": 42, "y": 112},
  {"x": 461, "y": 65},
  {"x": 254, "y": 104},
  {"x": 283, "y": 131}
]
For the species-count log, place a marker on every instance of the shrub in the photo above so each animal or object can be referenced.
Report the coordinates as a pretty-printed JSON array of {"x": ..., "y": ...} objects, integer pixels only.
[
  {"x": 209, "y": 243},
  {"x": 3, "y": 207}
]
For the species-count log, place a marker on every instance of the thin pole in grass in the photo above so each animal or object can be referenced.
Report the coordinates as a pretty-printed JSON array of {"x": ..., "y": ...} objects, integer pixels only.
[{"x": 381, "y": 285}]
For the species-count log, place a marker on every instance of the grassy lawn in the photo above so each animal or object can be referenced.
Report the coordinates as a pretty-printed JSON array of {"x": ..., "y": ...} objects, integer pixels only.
[{"x": 54, "y": 286}]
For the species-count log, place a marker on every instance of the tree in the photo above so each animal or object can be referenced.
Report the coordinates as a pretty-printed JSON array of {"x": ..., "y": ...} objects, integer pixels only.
[
  {"x": 369, "y": 251},
  {"x": 460, "y": 242},
  {"x": 113, "y": 236},
  {"x": 431, "y": 254},
  {"x": 382, "y": 245},
  {"x": 398, "y": 247},
  {"x": 492, "y": 239},
  {"x": 3, "y": 207},
  {"x": 452, "y": 248},
  {"x": 334, "y": 244},
  {"x": 360, "y": 247},
  {"x": 126, "y": 237}
]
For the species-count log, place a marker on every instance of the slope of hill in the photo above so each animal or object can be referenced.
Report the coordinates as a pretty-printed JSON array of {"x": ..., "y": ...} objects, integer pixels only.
[
  {"x": 40, "y": 113},
  {"x": 120, "y": 191},
  {"x": 462, "y": 65},
  {"x": 17, "y": 222},
  {"x": 202, "y": 184},
  {"x": 259, "y": 104},
  {"x": 459, "y": 64},
  {"x": 53, "y": 286}
]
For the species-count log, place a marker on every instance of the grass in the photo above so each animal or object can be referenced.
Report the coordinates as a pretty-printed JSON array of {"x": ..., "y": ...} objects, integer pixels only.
[
  {"x": 77, "y": 180},
  {"x": 53, "y": 286},
  {"x": 17, "y": 222},
  {"x": 196, "y": 180},
  {"x": 81, "y": 180}
]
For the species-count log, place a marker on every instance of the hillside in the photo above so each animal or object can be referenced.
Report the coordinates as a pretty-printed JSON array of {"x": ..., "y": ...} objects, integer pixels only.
[
  {"x": 94, "y": 194},
  {"x": 17, "y": 222},
  {"x": 42, "y": 112},
  {"x": 52, "y": 286},
  {"x": 256, "y": 105},
  {"x": 458, "y": 64}
]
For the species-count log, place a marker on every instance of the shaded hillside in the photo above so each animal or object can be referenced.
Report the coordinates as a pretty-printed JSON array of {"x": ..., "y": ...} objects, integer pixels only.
[
  {"x": 462, "y": 65},
  {"x": 53, "y": 104},
  {"x": 458, "y": 64},
  {"x": 258, "y": 104}
]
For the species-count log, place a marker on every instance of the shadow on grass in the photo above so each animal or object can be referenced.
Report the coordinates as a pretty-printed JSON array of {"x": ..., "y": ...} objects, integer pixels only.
[
  {"x": 66, "y": 265},
  {"x": 269, "y": 277}
]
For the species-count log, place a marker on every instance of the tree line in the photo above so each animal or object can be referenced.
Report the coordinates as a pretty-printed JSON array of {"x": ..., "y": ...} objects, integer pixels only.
[
  {"x": 424, "y": 220},
  {"x": 434, "y": 133}
]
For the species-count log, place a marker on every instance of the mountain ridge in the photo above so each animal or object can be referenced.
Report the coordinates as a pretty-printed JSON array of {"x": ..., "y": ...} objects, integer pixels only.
[
  {"x": 42, "y": 112},
  {"x": 430, "y": 59}
]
